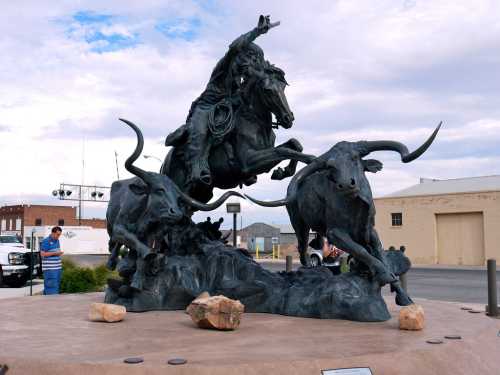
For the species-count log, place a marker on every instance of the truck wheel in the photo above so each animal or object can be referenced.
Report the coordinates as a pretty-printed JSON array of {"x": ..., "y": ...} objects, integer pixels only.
[{"x": 16, "y": 282}]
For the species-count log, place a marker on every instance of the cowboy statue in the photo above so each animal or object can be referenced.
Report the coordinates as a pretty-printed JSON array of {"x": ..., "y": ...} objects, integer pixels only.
[{"x": 209, "y": 118}]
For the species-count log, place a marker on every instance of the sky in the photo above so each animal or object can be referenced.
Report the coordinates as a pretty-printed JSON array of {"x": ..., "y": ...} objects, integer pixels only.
[{"x": 358, "y": 70}]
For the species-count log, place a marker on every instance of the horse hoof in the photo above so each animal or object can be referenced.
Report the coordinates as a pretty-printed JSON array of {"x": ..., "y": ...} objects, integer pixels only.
[{"x": 278, "y": 174}]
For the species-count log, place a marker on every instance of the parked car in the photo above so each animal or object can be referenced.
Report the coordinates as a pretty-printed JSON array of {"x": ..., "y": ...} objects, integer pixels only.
[
  {"x": 15, "y": 261},
  {"x": 317, "y": 259}
]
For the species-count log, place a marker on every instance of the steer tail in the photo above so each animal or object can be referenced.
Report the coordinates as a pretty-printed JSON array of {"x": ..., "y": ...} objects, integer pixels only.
[{"x": 278, "y": 203}]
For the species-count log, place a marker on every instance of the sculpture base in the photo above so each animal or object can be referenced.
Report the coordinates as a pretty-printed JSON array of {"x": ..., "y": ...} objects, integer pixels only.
[
  {"x": 263, "y": 344},
  {"x": 223, "y": 270}
]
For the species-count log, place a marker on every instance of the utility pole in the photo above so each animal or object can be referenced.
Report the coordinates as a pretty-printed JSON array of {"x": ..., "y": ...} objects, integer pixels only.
[{"x": 116, "y": 161}]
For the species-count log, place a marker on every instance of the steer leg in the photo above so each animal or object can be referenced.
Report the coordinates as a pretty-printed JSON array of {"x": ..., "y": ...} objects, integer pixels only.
[
  {"x": 302, "y": 232},
  {"x": 130, "y": 240},
  {"x": 402, "y": 298},
  {"x": 114, "y": 248},
  {"x": 344, "y": 241}
]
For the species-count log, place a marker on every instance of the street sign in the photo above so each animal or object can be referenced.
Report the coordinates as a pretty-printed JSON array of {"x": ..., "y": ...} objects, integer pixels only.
[
  {"x": 233, "y": 208},
  {"x": 275, "y": 240}
]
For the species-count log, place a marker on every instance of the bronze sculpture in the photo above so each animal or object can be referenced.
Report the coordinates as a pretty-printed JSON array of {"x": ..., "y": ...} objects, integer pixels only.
[{"x": 227, "y": 141}]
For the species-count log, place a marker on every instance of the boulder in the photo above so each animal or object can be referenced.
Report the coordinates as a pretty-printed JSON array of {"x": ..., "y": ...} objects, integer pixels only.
[
  {"x": 411, "y": 318},
  {"x": 217, "y": 312},
  {"x": 106, "y": 312}
]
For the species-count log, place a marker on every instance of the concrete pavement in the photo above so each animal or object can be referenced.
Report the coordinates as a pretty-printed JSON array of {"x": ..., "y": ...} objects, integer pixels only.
[
  {"x": 6, "y": 292},
  {"x": 264, "y": 343}
]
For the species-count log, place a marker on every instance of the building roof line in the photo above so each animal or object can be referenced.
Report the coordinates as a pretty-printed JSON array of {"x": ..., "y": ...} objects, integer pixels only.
[
  {"x": 436, "y": 194},
  {"x": 428, "y": 187}
]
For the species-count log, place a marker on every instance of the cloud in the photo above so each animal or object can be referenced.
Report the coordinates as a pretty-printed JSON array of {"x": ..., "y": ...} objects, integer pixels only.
[
  {"x": 379, "y": 70},
  {"x": 186, "y": 29}
]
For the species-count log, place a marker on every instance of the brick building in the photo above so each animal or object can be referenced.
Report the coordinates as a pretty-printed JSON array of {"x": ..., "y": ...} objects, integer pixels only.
[{"x": 13, "y": 219}]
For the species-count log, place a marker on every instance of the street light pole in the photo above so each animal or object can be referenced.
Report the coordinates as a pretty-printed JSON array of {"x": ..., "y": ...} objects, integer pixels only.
[
  {"x": 80, "y": 206},
  {"x": 234, "y": 229},
  {"x": 86, "y": 193},
  {"x": 233, "y": 208},
  {"x": 32, "y": 260}
]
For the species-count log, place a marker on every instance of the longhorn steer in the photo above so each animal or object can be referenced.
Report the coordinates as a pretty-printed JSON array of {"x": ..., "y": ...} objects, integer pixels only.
[
  {"x": 332, "y": 196},
  {"x": 139, "y": 207}
]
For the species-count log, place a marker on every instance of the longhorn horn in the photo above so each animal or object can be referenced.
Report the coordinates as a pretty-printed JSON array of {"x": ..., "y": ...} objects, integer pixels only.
[
  {"x": 314, "y": 166},
  {"x": 129, "y": 163},
  {"x": 406, "y": 156},
  {"x": 278, "y": 203},
  {"x": 206, "y": 206}
]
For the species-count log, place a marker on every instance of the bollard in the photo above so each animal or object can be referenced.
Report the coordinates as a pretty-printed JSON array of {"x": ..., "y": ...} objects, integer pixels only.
[
  {"x": 404, "y": 282},
  {"x": 289, "y": 260},
  {"x": 257, "y": 252},
  {"x": 492, "y": 288}
]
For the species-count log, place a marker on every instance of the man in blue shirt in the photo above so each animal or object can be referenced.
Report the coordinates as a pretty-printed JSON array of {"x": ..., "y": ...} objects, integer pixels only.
[{"x": 50, "y": 252}]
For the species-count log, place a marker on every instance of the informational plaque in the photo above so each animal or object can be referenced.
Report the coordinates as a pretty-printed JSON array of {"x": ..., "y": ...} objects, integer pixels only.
[{"x": 348, "y": 371}]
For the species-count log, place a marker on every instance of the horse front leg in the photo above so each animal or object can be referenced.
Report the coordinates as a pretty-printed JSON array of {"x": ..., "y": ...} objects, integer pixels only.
[
  {"x": 281, "y": 173},
  {"x": 262, "y": 161}
]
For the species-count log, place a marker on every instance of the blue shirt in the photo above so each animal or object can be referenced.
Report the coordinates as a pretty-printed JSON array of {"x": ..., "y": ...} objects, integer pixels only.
[{"x": 54, "y": 262}]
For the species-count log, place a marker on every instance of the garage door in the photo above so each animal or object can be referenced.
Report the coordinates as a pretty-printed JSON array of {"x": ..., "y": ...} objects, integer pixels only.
[{"x": 460, "y": 239}]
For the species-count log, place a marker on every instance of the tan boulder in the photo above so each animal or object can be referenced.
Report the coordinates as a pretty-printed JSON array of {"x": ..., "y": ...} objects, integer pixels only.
[
  {"x": 217, "y": 312},
  {"x": 106, "y": 312},
  {"x": 412, "y": 318}
]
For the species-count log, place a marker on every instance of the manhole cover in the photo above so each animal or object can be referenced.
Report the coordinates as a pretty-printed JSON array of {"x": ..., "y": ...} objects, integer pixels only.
[
  {"x": 177, "y": 361},
  {"x": 434, "y": 341},
  {"x": 466, "y": 308},
  {"x": 133, "y": 360},
  {"x": 453, "y": 337},
  {"x": 475, "y": 311}
]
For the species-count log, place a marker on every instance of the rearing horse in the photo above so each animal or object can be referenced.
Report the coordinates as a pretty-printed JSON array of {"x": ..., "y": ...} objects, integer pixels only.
[{"x": 248, "y": 149}]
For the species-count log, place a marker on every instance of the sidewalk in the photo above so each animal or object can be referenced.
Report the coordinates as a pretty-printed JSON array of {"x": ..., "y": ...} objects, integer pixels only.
[{"x": 22, "y": 292}]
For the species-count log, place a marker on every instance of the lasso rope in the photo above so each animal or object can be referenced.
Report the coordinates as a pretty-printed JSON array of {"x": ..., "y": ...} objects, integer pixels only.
[{"x": 223, "y": 126}]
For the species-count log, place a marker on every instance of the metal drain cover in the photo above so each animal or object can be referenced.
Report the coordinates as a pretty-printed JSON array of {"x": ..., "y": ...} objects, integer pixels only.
[
  {"x": 133, "y": 360},
  {"x": 177, "y": 361},
  {"x": 434, "y": 341}
]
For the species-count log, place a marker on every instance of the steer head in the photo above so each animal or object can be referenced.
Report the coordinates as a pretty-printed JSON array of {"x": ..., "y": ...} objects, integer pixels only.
[
  {"x": 346, "y": 166},
  {"x": 346, "y": 169},
  {"x": 159, "y": 194},
  {"x": 160, "y": 201}
]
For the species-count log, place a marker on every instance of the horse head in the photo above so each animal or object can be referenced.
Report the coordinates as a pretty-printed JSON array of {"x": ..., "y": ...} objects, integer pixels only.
[{"x": 268, "y": 87}]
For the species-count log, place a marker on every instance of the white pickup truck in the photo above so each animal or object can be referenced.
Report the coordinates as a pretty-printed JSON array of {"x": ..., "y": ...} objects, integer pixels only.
[{"x": 15, "y": 262}]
